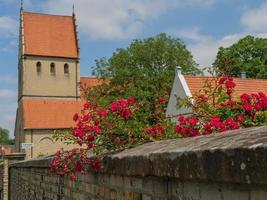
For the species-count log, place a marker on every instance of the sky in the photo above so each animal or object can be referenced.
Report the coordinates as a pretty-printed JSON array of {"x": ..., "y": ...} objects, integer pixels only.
[{"x": 105, "y": 25}]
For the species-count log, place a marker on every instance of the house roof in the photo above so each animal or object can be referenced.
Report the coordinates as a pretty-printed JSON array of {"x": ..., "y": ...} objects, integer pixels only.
[
  {"x": 195, "y": 84},
  {"x": 49, "y": 35},
  {"x": 90, "y": 81},
  {"x": 49, "y": 114}
]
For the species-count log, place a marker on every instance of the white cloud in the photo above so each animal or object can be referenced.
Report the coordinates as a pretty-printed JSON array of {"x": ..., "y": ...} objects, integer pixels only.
[
  {"x": 255, "y": 20},
  {"x": 118, "y": 19},
  {"x": 8, "y": 27},
  {"x": 7, "y": 93}
]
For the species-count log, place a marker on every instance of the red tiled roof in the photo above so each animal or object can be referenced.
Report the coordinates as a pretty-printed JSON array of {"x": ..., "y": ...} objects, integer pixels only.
[
  {"x": 195, "y": 84},
  {"x": 49, "y": 114},
  {"x": 49, "y": 35},
  {"x": 91, "y": 81}
]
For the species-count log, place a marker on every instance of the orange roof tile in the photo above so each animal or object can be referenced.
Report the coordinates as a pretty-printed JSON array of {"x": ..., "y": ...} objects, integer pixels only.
[
  {"x": 88, "y": 82},
  {"x": 49, "y": 35},
  {"x": 195, "y": 84},
  {"x": 49, "y": 114}
]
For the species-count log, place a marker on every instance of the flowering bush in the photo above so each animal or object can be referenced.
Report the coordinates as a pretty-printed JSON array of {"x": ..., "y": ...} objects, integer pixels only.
[
  {"x": 215, "y": 109},
  {"x": 99, "y": 130},
  {"x": 125, "y": 123}
]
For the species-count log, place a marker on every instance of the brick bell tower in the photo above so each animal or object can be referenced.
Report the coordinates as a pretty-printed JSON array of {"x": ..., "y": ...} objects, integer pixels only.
[{"x": 48, "y": 71}]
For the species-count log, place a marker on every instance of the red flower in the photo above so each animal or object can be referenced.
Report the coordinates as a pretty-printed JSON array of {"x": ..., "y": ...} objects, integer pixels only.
[
  {"x": 123, "y": 103},
  {"x": 192, "y": 121},
  {"x": 96, "y": 129},
  {"x": 87, "y": 128},
  {"x": 222, "y": 80},
  {"x": 79, "y": 124},
  {"x": 258, "y": 106},
  {"x": 177, "y": 129},
  {"x": 86, "y": 105},
  {"x": 96, "y": 164},
  {"x": 86, "y": 118},
  {"x": 78, "y": 166},
  {"x": 90, "y": 137},
  {"x": 182, "y": 120},
  {"x": 75, "y": 117},
  {"x": 73, "y": 177},
  {"x": 230, "y": 84},
  {"x": 90, "y": 145},
  {"x": 102, "y": 113},
  {"x": 247, "y": 107},
  {"x": 55, "y": 162},
  {"x": 161, "y": 100},
  {"x": 113, "y": 106},
  {"x": 240, "y": 118},
  {"x": 215, "y": 121},
  {"x": 131, "y": 100},
  {"x": 245, "y": 97},
  {"x": 126, "y": 114}
]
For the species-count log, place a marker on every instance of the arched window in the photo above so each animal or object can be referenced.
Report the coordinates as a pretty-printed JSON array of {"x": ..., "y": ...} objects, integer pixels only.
[
  {"x": 53, "y": 68},
  {"x": 39, "y": 67},
  {"x": 66, "y": 68}
]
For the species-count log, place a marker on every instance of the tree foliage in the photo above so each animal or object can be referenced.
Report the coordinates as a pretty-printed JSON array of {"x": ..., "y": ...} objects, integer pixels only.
[
  {"x": 4, "y": 139},
  {"x": 247, "y": 55},
  {"x": 146, "y": 68}
]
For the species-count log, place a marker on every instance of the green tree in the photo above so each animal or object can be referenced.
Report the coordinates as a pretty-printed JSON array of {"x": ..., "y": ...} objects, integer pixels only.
[
  {"x": 4, "y": 136},
  {"x": 146, "y": 68},
  {"x": 248, "y": 55}
]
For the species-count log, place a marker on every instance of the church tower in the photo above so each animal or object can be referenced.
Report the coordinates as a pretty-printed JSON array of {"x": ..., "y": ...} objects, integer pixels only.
[
  {"x": 48, "y": 81},
  {"x": 48, "y": 56}
]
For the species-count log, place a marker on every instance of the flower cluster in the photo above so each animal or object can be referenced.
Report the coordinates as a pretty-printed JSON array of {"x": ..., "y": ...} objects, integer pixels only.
[
  {"x": 124, "y": 123},
  {"x": 121, "y": 107},
  {"x": 218, "y": 111},
  {"x": 155, "y": 130}
]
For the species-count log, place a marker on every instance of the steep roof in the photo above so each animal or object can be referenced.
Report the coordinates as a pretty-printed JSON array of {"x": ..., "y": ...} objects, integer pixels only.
[
  {"x": 195, "y": 84},
  {"x": 49, "y": 114},
  {"x": 49, "y": 35}
]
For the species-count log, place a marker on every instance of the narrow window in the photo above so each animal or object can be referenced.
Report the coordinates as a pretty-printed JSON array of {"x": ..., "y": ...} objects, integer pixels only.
[
  {"x": 38, "y": 67},
  {"x": 52, "y": 68},
  {"x": 66, "y": 68}
]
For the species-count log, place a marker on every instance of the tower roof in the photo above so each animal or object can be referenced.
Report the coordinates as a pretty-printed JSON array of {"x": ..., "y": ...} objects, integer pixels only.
[{"x": 50, "y": 35}]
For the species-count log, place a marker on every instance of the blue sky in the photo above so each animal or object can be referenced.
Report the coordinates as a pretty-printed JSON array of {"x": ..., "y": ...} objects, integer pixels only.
[{"x": 105, "y": 25}]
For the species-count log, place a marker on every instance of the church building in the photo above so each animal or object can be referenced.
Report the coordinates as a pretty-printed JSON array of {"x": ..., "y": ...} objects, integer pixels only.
[{"x": 49, "y": 79}]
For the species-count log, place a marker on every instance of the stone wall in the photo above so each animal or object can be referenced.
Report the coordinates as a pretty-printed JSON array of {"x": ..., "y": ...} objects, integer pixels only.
[{"x": 229, "y": 166}]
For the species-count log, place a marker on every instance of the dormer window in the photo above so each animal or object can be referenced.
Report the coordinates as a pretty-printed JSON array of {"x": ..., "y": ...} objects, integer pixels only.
[
  {"x": 66, "y": 68},
  {"x": 39, "y": 67},
  {"x": 53, "y": 68}
]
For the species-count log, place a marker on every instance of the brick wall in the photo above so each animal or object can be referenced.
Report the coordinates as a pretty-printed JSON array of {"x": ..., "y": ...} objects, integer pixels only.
[{"x": 229, "y": 166}]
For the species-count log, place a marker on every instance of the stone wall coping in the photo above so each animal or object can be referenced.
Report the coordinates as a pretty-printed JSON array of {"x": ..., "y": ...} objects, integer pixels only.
[{"x": 238, "y": 156}]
